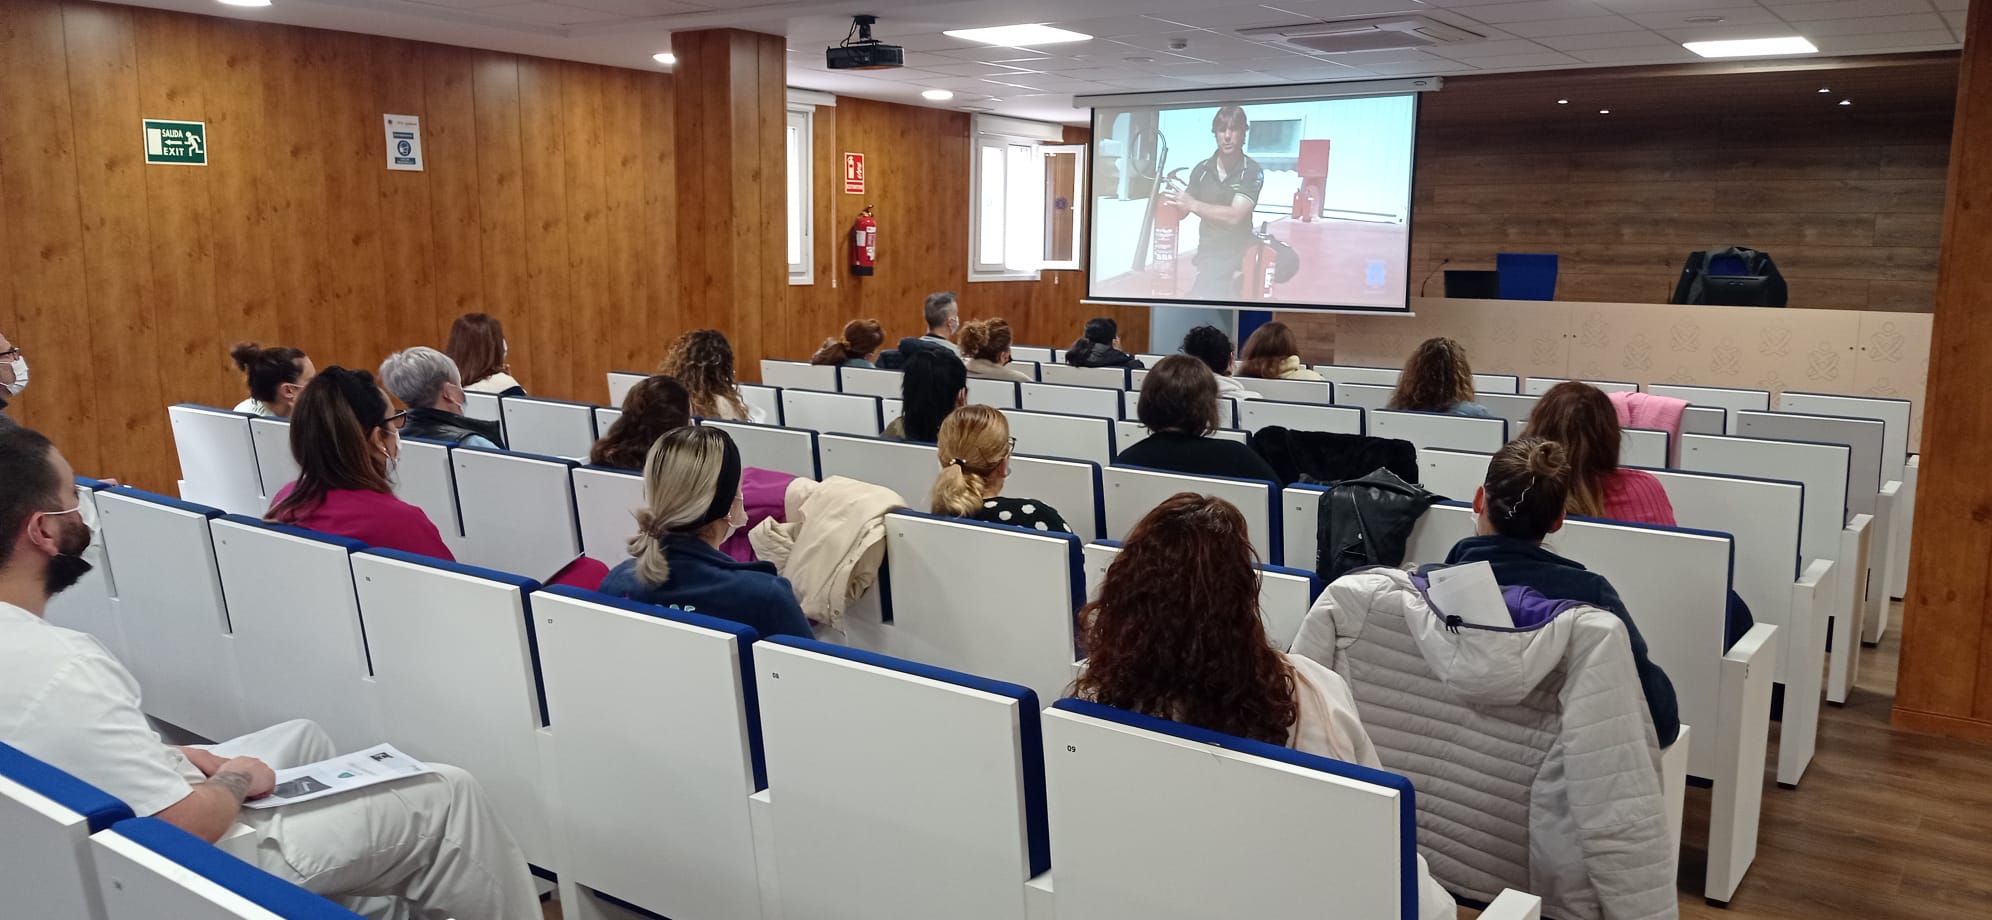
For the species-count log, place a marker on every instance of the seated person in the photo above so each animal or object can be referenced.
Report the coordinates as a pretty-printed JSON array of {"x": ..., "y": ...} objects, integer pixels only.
[
  {"x": 1210, "y": 345},
  {"x": 276, "y": 376},
  {"x": 1582, "y": 419},
  {"x": 1175, "y": 632},
  {"x": 347, "y": 443},
  {"x": 477, "y": 345},
  {"x": 1272, "y": 354},
  {"x": 942, "y": 313},
  {"x": 427, "y": 846},
  {"x": 1436, "y": 378},
  {"x": 1179, "y": 408},
  {"x": 13, "y": 377},
  {"x": 656, "y": 406},
  {"x": 1528, "y": 485},
  {"x": 974, "y": 448},
  {"x": 986, "y": 342},
  {"x": 702, "y": 360},
  {"x": 861, "y": 340},
  {"x": 1099, "y": 346},
  {"x": 691, "y": 505},
  {"x": 934, "y": 385},
  {"x": 427, "y": 382}
]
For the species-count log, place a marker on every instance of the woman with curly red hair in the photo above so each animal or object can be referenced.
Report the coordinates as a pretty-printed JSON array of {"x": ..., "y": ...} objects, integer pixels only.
[{"x": 1176, "y": 633}]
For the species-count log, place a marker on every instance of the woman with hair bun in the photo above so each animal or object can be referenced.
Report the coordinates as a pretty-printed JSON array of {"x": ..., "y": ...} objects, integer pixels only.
[
  {"x": 974, "y": 448},
  {"x": 861, "y": 340},
  {"x": 276, "y": 377},
  {"x": 986, "y": 345},
  {"x": 1527, "y": 488}
]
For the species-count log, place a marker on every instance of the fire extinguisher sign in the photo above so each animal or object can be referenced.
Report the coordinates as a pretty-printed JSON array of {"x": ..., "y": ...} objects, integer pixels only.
[{"x": 854, "y": 173}]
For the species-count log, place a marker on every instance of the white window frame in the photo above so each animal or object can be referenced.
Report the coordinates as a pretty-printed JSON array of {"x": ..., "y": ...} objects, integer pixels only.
[
  {"x": 801, "y": 192},
  {"x": 1077, "y": 205},
  {"x": 1008, "y": 134}
]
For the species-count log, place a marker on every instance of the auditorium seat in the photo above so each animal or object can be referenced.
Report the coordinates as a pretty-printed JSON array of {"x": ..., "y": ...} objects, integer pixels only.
[
  {"x": 1069, "y": 399},
  {"x": 1435, "y": 430},
  {"x": 148, "y": 869},
  {"x": 867, "y": 381},
  {"x": 91, "y": 604},
  {"x": 620, "y": 383},
  {"x": 1255, "y": 414},
  {"x": 518, "y": 511},
  {"x": 605, "y": 505},
  {"x": 1132, "y": 492},
  {"x": 555, "y": 427},
  {"x": 276, "y": 467},
  {"x": 798, "y": 375},
  {"x": 46, "y": 819},
  {"x": 833, "y": 413},
  {"x": 217, "y": 458},
  {"x": 425, "y": 476},
  {"x": 786, "y": 450},
  {"x": 1059, "y": 434},
  {"x": 1285, "y": 594}
]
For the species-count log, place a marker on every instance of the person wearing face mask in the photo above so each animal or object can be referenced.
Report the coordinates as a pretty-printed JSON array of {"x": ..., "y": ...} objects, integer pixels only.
[
  {"x": 13, "y": 378},
  {"x": 942, "y": 312},
  {"x": 429, "y": 846},
  {"x": 691, "y": 505},
  {"x": 427, "y": 382}
]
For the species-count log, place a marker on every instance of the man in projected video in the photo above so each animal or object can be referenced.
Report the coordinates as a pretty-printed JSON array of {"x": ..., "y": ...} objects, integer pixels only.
[{"x": 1222, "y": 193}]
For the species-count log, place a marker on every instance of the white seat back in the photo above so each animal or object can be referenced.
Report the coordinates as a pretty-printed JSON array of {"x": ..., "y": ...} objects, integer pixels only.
[
  {"x": 1136, "y": 376},
  {"x": 1363, "y": 395},
  {"x": 838, "y": 413},
  {"x": 1445, "y": 432},
  {"x": 1070, "y": 486},
  {"x": 984, "y": 391},
  {"x": 1128, "y": 432},
  {"x": 275, "y": 466},
  {"x": 179, "y": 643},
  {"x": 518, "y": 511},
  {"x": 1514, "y": 407},
  {"x": 655, "y": 752},
  {"x": 1132, "y": 492},
  {"x": 1704, "y": 420},
  {"x": 1285, "y": 594},
  {"x": 1865, "y": 436},
  {"x": 452, "y": 650},
  {"x": 1255, "y": 414},
  {"x": 1027, "y": 368},
  {"x": 766, "y": 399},
  {"x": 788, "y": 450},
  {"x": 1764, "y": 516},
  {"x": 1052, "y": 434},
  {"x": 908, "y": 468},
  {"x": 870, "y": 381},
  {"x": 1365, "y": 376},
  {"x": 940, "y": 773},
  {"x": 1496, "y": 383},
  {"x": 605, "y": 503},
  {"x": 426, "y": 478},
  {"x": 1455, "y": 474},
  {"x": 1136, "y": 802},
  {"x": 1113, "y": 378},
  {"x": 1733, "y": 399},
  {"x": 1227, "y": 410},
  {"x": 486, "y": 406},
  {"x": 1314, "y": 392},
  {"x": 620, "y": 383},
  {"x": 606, "y": 416},
  {"x": 1022, "y": 634},
  {"x": 1149, "y": 360},
  {"x": 1822, "y": 468},
  {"x": 300, "y": 647},
  {"x": 91, "y": 604},
  {"x": 217, "y": 458},
  {"x": 1541, "y": 385},
  {"x": 46, "y": 819},
  {"x": 1894, "y": 412},
  {"x": 1071, "y": 400},
  {"x": 555, "y": 427},
  {"x": 799, "y": 375},
  {"x": 148, "y": 869},
  {"x": 1643, "y": 447},
  {"x": 1037, "y": 353}
]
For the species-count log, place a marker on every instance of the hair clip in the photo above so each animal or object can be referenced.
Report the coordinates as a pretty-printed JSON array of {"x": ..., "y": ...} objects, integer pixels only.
[{"x": 1516, "y": 505}]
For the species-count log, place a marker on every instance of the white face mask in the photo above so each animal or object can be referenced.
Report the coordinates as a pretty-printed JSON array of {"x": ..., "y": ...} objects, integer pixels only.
[
  {"x": 20, "y": 383},
  {"x": 736, "y": 518}
]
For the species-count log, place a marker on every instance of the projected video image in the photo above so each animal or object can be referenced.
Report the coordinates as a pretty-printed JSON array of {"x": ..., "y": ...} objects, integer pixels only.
[{"x": 1299, "y": 204}]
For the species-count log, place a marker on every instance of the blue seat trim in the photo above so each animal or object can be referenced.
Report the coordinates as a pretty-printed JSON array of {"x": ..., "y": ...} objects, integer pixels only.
[
  {"x": 504, "y": 578},
  {"x": 1314, "y": 583},
  {"x": 93, "y": 485},
  {"x": 448, "y": 444},
  {"x": 99, "y": 809},
  {"x": 563, "y": 461},
  {"x": 1407, "y": 861},
  {"x": 258, "y": 887},
  {"x": 1037, "y": 823},
  {"x": 745, "y": 636},
  {"x": 167, "y": 500},
  {"x": 545, "y": 399},
  {"x": 316, "y": 536}
]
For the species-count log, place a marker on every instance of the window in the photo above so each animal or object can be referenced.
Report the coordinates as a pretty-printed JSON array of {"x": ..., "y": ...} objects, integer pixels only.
[
  {"x": 1025, "y": 205},
  {"x": 801, "y": 185}
]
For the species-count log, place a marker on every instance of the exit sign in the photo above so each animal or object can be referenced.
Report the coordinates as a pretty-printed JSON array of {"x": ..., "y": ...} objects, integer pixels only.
[{"x": 176, "y": 143}]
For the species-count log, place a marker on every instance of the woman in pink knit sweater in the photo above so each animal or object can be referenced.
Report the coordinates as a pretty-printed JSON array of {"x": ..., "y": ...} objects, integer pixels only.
[{"x": 1582, "y": 419}]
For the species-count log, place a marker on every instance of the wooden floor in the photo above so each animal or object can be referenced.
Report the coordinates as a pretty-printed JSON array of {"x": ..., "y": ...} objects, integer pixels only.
[{"x": 1886, "y": 825}]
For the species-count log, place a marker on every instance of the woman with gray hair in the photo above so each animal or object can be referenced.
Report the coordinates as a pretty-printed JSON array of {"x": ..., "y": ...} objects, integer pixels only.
[
  {"x": 691, "y": 504},
  {"x": 427, "y": 382}
]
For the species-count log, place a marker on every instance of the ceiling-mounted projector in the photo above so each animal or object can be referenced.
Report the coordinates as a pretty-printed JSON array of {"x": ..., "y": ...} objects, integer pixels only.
[{"x": 860, "y": 51}]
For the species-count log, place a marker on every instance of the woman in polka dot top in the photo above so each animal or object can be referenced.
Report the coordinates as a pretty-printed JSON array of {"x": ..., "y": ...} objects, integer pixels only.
[{"x": 974, "y": 447}]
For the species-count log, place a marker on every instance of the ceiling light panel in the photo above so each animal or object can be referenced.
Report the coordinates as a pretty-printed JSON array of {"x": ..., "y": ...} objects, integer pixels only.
[
  {"x": 1023, "y": 35},
  {"x": 1752, "y": 47}
]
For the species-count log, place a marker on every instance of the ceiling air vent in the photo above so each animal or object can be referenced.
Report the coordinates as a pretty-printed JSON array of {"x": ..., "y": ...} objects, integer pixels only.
[{"x": 1380, "y": 33}]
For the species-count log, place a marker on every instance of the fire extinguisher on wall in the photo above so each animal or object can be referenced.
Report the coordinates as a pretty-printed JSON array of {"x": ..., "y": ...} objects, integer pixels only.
[{"x": 864, "y": 243}]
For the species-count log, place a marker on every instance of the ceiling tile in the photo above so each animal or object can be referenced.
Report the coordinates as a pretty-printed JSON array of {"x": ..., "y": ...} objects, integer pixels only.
[
  {"x": 1227, "y": 17},
  {"x": 1923, "y": 22},
  {"x": 1435, "y": 66},
  {"x": 548, "y": 14},
  {"x": 932, "y": 41},
  {"x": 462, "y": 4},
  {"x": 1118, "y": 26},
  {"x": 1679, "y": 18},
  {"x": 1847, "y": 9},
  {"x": 1655, "y": 55},
  {"x": 1956, "y": 20},
  {"x": 1589, "y": 25},
  {"x": 1889, "y": 41},
  {"x": 1605, "y": 40},
  {"x": 1729, "y": 30},
  {"x": 957, "y": 69},
  {"x": 1539, "y": 59},
  {"x": 1346, "y": 9},
  {"x": 635, "y": 8},
  {"x": 1949, "y": 5},
  {"x": 1655, "y": 7},
  {"x": 988, "y": 53},
  {"x": 1534, "y": 11},
  {"x": 1469, "y": 50}
]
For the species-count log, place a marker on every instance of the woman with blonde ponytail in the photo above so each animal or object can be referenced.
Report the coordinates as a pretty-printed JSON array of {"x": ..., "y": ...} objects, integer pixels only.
[
  {"x": 691, "y": 504},
  {"x": 974, "y": 448}
]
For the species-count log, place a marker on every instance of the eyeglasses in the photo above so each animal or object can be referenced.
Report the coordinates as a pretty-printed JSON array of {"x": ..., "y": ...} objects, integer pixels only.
[
  {"x": 1013, "y": 445},
  {"x": 11, "y": 352},
  {"x": 395, "y": 421}
]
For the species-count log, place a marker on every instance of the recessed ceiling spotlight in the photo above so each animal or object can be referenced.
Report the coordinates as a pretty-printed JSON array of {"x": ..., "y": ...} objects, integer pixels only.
[
  {"x": 1752, "y": 47},
  {"x": 937, "y": 95},
  {"x": 1825, "y": 89},
  {"x": 1562, "y": 102},
  {"x": 1604, "y": 111},
  {"x": 665, "y": 58},
  {"x": 246, "y": 2},
  {"x": 1705, "y": 20},
  {"x": 1023, "y": 35},
  {"x": 1846, "y": 102}
]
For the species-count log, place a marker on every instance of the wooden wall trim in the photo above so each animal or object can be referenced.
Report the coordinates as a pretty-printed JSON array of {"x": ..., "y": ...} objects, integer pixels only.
[{"x": 1936, "y": 723}]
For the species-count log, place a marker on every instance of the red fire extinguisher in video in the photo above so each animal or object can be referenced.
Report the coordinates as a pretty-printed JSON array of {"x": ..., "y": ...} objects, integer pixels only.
[
  {"x": 1168, "y": 223},
  {"x": 864, "y": 243}
]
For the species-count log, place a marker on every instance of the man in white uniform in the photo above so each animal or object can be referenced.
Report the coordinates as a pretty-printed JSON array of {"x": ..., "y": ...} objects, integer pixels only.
[{"x": 430, "y": 844}]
